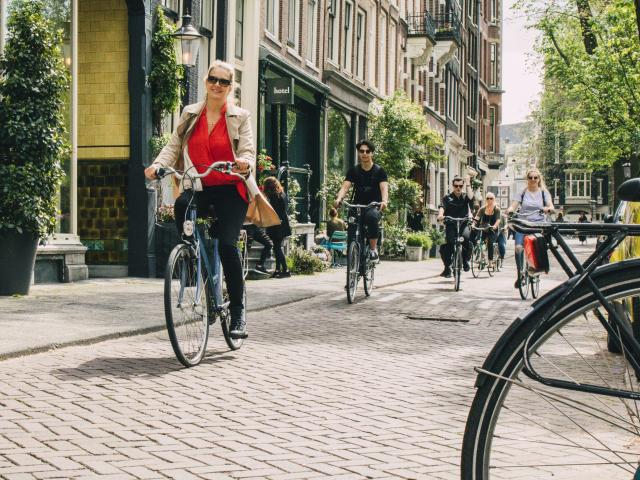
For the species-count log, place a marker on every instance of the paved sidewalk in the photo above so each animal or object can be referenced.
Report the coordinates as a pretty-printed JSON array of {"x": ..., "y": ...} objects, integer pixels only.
[{"x": 56, "y": 315}]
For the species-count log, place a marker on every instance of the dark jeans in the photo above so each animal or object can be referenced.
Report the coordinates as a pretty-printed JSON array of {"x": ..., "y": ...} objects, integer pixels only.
[
  {"x": 370, "y": 219},
  {"x": 230, "y": 210},
  {"x": 259, "y": 235},
  {"x": 278, "y": 252},
  {"x": 447, "y": 249},
  {"x": 502, "y": 244},
  {"x": 489, "y": 236}
]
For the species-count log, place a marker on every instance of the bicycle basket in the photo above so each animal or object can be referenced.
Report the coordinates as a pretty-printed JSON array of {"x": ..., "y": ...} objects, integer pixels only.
[{"x": 535, "y": 249}]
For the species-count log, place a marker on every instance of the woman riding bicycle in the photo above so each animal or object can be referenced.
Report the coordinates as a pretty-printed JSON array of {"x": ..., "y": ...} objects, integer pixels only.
[
  {"x": 535, "y": 202},
  {"x": 209, "y": 131},
  {"x": 489, "y": 216}
]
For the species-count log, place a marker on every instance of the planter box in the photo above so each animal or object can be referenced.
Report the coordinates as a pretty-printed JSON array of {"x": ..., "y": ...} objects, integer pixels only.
[
  {"x": 413, "y": 254},
  {"x": 166, "y": 238}
]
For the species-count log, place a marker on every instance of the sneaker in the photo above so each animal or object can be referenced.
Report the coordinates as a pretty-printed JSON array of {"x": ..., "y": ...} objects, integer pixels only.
[
  {"x": 238, "y": 326},
  {"x": 465, "y": 266},
  {"x": 261, "y": 269},
  {"x": 517, "y": 283},
  {"x": 446, "y": 273},
  {"x": 285, "y": 274},
  {"x": 373, "y": 256},
  {"x": 275, "y": 274}
]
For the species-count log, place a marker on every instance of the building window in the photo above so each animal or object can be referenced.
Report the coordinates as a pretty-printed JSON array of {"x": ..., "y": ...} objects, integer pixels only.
[
  {"x": 493, "y": 13},
  {"x": 331, "y": 32},
  {"x": 292, "y": 31},
  {"x": 361, "y": 28},
  {"x": 206, "y": 14},
  {"x": 239, "y": 28},
  {"x": 312, "y": 30},
  {"x": 392, "y": 60},
  {"x": 172, "y": 5},
  {"x": 348, "y": 35},
  {"x": 273, "y": 11},
  {"x": 382, "y": 55},
  {"x": 493, "y": 79},
  {"x": 578, "y": 185},
  {"x": 492, "y": 127}
]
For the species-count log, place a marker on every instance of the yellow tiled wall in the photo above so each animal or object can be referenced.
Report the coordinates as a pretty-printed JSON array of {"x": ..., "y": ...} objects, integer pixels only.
[{"x": 103, "y": 95}]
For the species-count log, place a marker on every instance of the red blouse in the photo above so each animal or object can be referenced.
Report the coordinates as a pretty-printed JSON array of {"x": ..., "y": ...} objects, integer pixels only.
[{"x": 205, "y": 148}]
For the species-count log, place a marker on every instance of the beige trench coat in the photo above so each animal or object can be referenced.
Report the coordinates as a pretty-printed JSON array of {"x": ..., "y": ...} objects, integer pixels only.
[{"x": 240, "y": 136}]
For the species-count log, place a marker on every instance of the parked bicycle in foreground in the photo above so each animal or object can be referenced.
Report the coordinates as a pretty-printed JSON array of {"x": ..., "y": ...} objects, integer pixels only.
[
  {"x": 456, "y": 255},
  {"x": 194, "y": 292},
  {"x": 551, "y": 400},
  {"x": 359, "y": 263}
]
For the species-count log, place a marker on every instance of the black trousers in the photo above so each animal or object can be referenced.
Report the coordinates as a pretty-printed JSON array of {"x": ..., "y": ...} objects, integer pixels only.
[
  {"x": 259, "y": 235},
  {"x": 230, "y": 210},
  {"x": 278, "y": 252},
  {"x": 446, "y": 250},
  {"x": 370, "y": 219}
]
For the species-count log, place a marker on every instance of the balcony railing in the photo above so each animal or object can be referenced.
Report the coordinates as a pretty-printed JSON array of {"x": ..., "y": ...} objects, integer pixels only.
[
  {"x": 448, "y": 27},
  {"x": 421, "y": 26}
]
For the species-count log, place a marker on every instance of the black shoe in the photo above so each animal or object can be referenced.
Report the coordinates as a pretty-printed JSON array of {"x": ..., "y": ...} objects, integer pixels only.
[
  {"x": 261, "y": 269},
  {"x": 286, "y": 274},
  {"x": 373, "y": 256},
  {"x": 238, "y": 327},
  {"x": 275, "y": 274},
  {"x": 465, "y": 266},
  {"x": 517, "y": 283},
  {"x": 446, "y": 273}
]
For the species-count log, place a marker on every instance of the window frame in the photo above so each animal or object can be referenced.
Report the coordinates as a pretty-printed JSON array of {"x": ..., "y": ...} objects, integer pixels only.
[
  {"x": 361, "y": 35},
  {"x": 578, "y": 185},
  {"x": 312, "y": 30},
  {"x": 272, "y": 17},
  {"x": 347, "y": 23},
  {"x": 293, "y": 24},
  {"x": 239, "y": 42}
]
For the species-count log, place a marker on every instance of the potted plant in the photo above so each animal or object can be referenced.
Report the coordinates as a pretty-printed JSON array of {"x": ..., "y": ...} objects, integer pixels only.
[
  {"x": 166, "y": 235},
  {"x": 33, "y": 82},
  {"x": 413, "y": 249},
  {"x": 437, "y": 238},
  {"x": 426, "y": 245}
]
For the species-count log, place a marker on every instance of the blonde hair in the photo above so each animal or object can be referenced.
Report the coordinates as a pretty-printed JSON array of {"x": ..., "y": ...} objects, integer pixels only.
[
  {"x": 541, "y": 184},
  {"x": 229, "y": 68}
]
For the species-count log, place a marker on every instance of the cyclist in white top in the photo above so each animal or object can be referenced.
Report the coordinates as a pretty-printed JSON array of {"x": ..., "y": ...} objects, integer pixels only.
[{"x": 531, "y": 201}]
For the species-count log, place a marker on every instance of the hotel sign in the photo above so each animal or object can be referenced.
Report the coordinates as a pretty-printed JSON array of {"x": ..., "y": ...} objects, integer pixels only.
[{"x": 280, "y": 91}]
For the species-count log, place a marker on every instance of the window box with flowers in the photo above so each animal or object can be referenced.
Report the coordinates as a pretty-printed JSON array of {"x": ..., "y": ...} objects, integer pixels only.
[{"x": 264, "y": 166}]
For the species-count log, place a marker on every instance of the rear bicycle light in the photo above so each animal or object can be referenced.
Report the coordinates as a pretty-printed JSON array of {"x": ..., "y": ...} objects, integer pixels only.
[{"x": 535, "y": 249}]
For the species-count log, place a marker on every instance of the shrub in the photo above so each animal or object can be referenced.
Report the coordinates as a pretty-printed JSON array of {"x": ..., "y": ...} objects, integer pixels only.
[
  {"x": 304, "y": 262},
  {"x": 437, "y": 236},
  {"x": 414, "y": 240},
  {"x": 395, "y": 240},
  {"x": 33, "y": 85}
]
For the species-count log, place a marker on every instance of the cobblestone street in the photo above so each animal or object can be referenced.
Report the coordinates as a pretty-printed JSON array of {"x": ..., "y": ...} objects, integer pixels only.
[{"x": 322, "y": 389}]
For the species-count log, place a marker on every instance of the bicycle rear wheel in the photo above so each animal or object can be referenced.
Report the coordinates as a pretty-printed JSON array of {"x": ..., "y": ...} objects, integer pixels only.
[
  {"x": 186, "y": 306},
  {"x": 353, "y": 268},
  {"x": 518, "y": 427},
  {"x": 369, "y": 270},
  {"x": 491, "y": 268},
  {"x": 523, "y": 284},
  {"x": 457, "y": 267},
  {"x": 534, "y": 280}
]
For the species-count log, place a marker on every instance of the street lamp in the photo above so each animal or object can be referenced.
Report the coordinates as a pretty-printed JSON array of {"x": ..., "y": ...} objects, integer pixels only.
[
  {"x": 593, "y": 208},
  {"x": 66, "y": 43},
  {"x": 189, "y": 37},
  {"x": 626, "y": 170}
]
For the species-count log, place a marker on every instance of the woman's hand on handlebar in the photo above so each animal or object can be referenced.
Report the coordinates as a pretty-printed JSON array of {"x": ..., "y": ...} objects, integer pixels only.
[
  {"x": 241, "y": 166},
  {"x": 151, "y": 172}
]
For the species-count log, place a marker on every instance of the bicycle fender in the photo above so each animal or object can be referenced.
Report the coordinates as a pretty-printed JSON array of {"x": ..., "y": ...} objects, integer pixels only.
[{"x": 532, "y": 314}]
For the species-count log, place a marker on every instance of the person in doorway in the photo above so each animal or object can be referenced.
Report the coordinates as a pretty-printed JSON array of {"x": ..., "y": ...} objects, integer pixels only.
[
  {"x": 203, "y": 136},
  {"x": 370, "y": 184},
  {"x": 458, "y": 205},
  {"x": 278, "y": 233}
]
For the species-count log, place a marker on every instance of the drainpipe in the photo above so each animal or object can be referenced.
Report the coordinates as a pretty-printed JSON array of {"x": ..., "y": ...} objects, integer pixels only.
[
  {"x": 74, "y": 117},
  {"x": 479, "y": 57},
  {"x": 3, "y": 23}
]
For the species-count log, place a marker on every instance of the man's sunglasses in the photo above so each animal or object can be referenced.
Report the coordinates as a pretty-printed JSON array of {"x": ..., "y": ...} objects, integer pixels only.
[
  {"x": 223, "y": 82},
  {"x": 459, "y": 185},
  {"x": 364, "y": 152}
]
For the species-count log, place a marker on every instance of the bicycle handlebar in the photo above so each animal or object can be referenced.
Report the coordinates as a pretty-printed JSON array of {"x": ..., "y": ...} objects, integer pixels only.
[
  {"x": 222, "y": 167},
  {"x": 353, "y": 205},
  {"x": 454, "y": 219}
]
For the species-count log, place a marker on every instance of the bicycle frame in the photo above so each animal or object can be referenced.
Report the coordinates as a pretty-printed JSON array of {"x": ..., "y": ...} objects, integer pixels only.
[
  {"x": 582, "y": 274},
  {"x": 359, "y": 231}
]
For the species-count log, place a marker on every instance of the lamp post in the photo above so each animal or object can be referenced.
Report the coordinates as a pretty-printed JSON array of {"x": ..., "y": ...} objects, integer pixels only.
[
  {"x": 593, "y": 208},
  {"x": 188, "y": 36},
  {"x": 626, "y": 170}
]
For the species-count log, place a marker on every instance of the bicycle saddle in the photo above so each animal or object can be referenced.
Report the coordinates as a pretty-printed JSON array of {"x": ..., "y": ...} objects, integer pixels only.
[{"x": 629, "y": 191}]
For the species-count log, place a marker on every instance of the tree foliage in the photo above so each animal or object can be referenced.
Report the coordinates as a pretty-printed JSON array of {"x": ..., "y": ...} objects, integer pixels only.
[
  {"x": 33, "y": 81},
  {"x": 166, "y": 74},
  {"x": 591, "y": 56},
  {"x": 402, "y": 136}
]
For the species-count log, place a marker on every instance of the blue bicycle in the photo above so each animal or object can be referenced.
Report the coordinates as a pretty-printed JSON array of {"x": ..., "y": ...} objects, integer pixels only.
[{"x": 195, "y": 295}]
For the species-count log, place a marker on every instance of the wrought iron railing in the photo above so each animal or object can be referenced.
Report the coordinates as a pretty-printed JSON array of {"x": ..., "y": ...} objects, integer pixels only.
[
  {"x": 284, "y": 174},
  {"x": 421, "y": 25},
  {"x": 448, "y": 27}
]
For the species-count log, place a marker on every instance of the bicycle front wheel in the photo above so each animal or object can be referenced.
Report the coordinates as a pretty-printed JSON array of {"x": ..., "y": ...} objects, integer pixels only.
[
  {"x": 457, "y": 267},
  {"x": 518, "y": 427},
  {"x": 523, "y": 284},
  {"x": 186, "y": 305},
  {"x": 534, "y": 280},
  {"x": 369, "y": 270},
  {"x": 476, "y": 261},
  {"x": 353, "y": 267},
  {"x": 225, "y": 317}
]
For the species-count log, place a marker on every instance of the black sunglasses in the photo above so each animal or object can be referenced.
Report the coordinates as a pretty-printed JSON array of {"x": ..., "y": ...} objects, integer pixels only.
[
  {"x": 222, "y": 81},
  {"x": 459, "y": 185},
  {"x": 533, "y": 178},
  {"x": 364, "y": 152}
]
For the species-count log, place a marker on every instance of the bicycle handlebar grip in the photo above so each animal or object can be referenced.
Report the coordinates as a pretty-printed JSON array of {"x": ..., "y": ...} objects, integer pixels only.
[{"x": 160, "y": 172}]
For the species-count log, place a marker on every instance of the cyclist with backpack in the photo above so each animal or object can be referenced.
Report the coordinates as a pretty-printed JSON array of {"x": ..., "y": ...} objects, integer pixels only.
[{"x": 535, "y": 203}]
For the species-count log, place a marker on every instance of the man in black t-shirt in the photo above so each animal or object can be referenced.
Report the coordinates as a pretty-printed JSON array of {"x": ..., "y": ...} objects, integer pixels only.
[
  {"x": 370, "y": 184},
  {"x": 457, "y": 205}
]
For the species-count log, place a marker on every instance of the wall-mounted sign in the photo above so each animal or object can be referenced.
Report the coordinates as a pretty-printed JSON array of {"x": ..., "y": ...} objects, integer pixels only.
[{"x": 280, "y": 90}]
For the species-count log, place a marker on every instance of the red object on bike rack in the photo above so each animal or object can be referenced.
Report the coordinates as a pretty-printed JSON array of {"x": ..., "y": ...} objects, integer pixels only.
[{"x": 535, "y": 249}]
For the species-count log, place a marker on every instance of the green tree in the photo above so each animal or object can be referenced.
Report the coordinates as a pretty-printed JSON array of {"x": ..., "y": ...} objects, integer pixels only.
[
  {"x": 33, "y": 81},
  {"x": 402, "y": 136},
  {"x": 166, "y": 75}
]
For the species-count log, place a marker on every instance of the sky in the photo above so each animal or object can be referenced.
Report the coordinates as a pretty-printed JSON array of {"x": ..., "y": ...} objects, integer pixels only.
[{"x": 520, "y": 74}]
